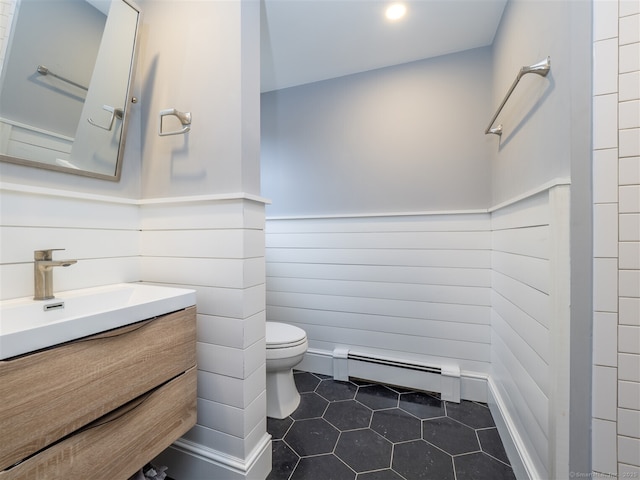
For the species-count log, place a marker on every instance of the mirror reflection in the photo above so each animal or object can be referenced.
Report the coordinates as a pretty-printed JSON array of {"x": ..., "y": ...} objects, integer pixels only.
[{"x": 65, "y": 83}]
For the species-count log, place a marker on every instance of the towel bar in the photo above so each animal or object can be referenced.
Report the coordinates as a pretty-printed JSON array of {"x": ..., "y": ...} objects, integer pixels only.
[{"x": 541, "y": 68}]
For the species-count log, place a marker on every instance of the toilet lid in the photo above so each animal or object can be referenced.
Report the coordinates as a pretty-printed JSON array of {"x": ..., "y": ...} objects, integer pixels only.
[{"x": 281, "y": 335}]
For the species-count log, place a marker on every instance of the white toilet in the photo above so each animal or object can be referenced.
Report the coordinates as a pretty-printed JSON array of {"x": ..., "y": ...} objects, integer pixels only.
[{"x": 286, "y": 345}]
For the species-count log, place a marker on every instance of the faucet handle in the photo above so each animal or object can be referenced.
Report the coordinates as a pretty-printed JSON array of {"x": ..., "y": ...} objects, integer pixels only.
[{"x": 45, "y": 254}]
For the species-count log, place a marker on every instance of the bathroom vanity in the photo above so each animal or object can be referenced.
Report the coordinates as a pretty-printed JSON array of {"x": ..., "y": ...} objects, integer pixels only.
[{"x": 100, "y": 406}]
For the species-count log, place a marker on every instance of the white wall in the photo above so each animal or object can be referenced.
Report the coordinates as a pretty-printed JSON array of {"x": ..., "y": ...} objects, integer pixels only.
[
  {"x": 101, "y": 232},
  {"x": 616, "y": 211},
  {"x": 413, "y": 287},
  {"x": 216, "y": 246},
  {"x": 487, "y": 292},
  {"x": 530, "y": 335},
  {"x": 318, "y": 165},
  {"x": 186, "y": 212},
  {"x": 202, "y": 57},
  {"x": 203, "y": 223},
  {"x": 546, "y": 136}
]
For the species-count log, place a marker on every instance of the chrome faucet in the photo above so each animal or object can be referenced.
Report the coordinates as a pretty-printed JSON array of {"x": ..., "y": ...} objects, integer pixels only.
[{"x": 43, "y": 272}]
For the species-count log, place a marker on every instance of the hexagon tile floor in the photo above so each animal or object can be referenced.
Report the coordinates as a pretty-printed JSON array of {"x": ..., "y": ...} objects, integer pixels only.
[{"x": 362, "y": 431}]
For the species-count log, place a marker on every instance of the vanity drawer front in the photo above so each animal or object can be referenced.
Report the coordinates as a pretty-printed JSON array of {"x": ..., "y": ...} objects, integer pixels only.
[
  {"x": 50, "y": 394},
  {"x": 118, "y": 445}
]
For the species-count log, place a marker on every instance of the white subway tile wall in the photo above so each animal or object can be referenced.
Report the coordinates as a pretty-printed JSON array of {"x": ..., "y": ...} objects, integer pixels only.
[{"x": 616, "y": 356}]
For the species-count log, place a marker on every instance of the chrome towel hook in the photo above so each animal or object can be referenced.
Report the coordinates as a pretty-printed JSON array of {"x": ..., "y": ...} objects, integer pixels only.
[{"x": 184, "y": 117}]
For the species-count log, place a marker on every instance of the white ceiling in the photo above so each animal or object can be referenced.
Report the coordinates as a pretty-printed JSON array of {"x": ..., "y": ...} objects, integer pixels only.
[{"x": 306, "y": 41}]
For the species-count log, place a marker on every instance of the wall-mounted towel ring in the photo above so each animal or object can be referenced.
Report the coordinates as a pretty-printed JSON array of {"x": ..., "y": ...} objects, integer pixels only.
[
  {"x": 115, "y": 113},
  {"x": 184, "y": 117}
]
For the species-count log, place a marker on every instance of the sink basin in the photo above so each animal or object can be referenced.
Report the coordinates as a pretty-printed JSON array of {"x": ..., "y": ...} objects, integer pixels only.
[{"x": 27, "y": 325}]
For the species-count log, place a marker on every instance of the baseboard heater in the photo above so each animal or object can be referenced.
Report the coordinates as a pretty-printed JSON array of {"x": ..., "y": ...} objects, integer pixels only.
[{"x": 408, "y": 373}]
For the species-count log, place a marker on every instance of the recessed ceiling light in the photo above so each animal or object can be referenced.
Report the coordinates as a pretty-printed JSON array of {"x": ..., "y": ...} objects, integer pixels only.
[{"x": 395, "y": 11}]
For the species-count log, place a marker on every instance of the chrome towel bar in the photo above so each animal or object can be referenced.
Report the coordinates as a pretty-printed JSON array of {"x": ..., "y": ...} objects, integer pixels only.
[
  {"x": 42, "y": 70},
  {"x": 541, "y": 68}
]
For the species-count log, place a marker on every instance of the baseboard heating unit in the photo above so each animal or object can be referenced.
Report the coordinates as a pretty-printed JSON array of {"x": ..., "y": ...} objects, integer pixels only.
[{"x": 409, "y": 373}]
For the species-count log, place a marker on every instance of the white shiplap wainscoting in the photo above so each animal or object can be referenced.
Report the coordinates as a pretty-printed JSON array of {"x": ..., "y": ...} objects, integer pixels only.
[
  {"x": 408, "y": 287},
  {"x": 486, "y": 292},
  {"x": 215, "y": 245},
  {"x": 529, "y": 380},
  {"x": 102, "y": 233},
  {"x": 212, "y": 244}
]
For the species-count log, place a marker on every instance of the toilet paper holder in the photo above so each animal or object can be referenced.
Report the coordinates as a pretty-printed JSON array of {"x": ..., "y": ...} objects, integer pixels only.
[{"x": 184, "y": 117}]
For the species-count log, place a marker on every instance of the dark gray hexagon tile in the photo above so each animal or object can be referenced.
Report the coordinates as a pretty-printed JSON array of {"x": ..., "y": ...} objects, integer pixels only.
[
  {"x": 311, "y": 405},
  {"x": 348, "y": 415},
  {"x": 396, "y": 425},
  {"x": 422, "y": 405},
  {"x": 472, "y": 414},
  {"x": 314, "y": 436},
  {"x": 451, "y": 436},
  {"x": 278, "y": 427},
  {"x": 305, "y": 381},
  {"x": 377, "y": 397},
  {"x": 491, "y": 443},
  {"x": 323, "y": 467},
  {"x": 324, "y": 418},
  {"x": 334, "y": 390},
  {"x": 386, "y": 474},
  {"x": 283, "y": 461},
  {"x": 480, "y": 466},
  {"x": 417, "y": 460},
  {"x": 364, "y": 450}
]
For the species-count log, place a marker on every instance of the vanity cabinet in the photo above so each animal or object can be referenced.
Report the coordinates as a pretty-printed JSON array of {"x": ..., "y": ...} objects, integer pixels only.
[{"x": 100, "y": 407}]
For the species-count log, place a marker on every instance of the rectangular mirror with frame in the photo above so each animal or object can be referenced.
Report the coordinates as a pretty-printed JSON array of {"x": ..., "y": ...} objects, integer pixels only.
[{"x": 65, "y": 85}]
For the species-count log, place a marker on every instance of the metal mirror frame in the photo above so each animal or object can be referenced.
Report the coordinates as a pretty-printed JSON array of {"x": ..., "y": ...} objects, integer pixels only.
[{"x": 125, "y": 121}]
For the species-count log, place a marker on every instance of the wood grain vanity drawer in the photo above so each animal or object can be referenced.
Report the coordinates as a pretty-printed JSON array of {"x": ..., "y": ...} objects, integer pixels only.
[
  {"x": 114, "y": 447},
  {"x": 49, "y": 394}
]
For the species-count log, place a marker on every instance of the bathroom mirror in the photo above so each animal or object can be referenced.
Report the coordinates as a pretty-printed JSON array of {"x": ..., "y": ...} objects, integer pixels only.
[{"x": 65, "y": 85}]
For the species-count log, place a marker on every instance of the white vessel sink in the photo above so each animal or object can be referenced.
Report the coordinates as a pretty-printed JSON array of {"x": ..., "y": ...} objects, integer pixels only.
[{"x": 27, "y": 325}]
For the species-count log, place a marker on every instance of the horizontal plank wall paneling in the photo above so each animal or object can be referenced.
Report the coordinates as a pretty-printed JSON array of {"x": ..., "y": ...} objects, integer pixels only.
[
  {"x": 485, "y": 291},
  {"x": 216, "y": 247},
  {"x": 529, "y": 314},
  {"x": 212, "y": 245},
  {"x": 415, "y": 287},
  {"x": 103, "y": 235}
]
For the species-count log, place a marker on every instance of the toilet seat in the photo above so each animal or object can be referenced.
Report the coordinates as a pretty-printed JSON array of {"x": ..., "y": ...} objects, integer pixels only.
[{"x": 282, "y": 335}]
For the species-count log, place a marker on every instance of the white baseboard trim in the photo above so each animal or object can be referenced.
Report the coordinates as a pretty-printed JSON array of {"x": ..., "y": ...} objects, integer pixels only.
[
  {"x": 521, "y": 461},
  {"x": 189, "y": 460}
]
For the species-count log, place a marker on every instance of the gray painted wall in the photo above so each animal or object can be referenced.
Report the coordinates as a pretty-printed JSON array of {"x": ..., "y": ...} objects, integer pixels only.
[
  {"x": 404, "y": 138},
  {"x": 535, "y": 146}
]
